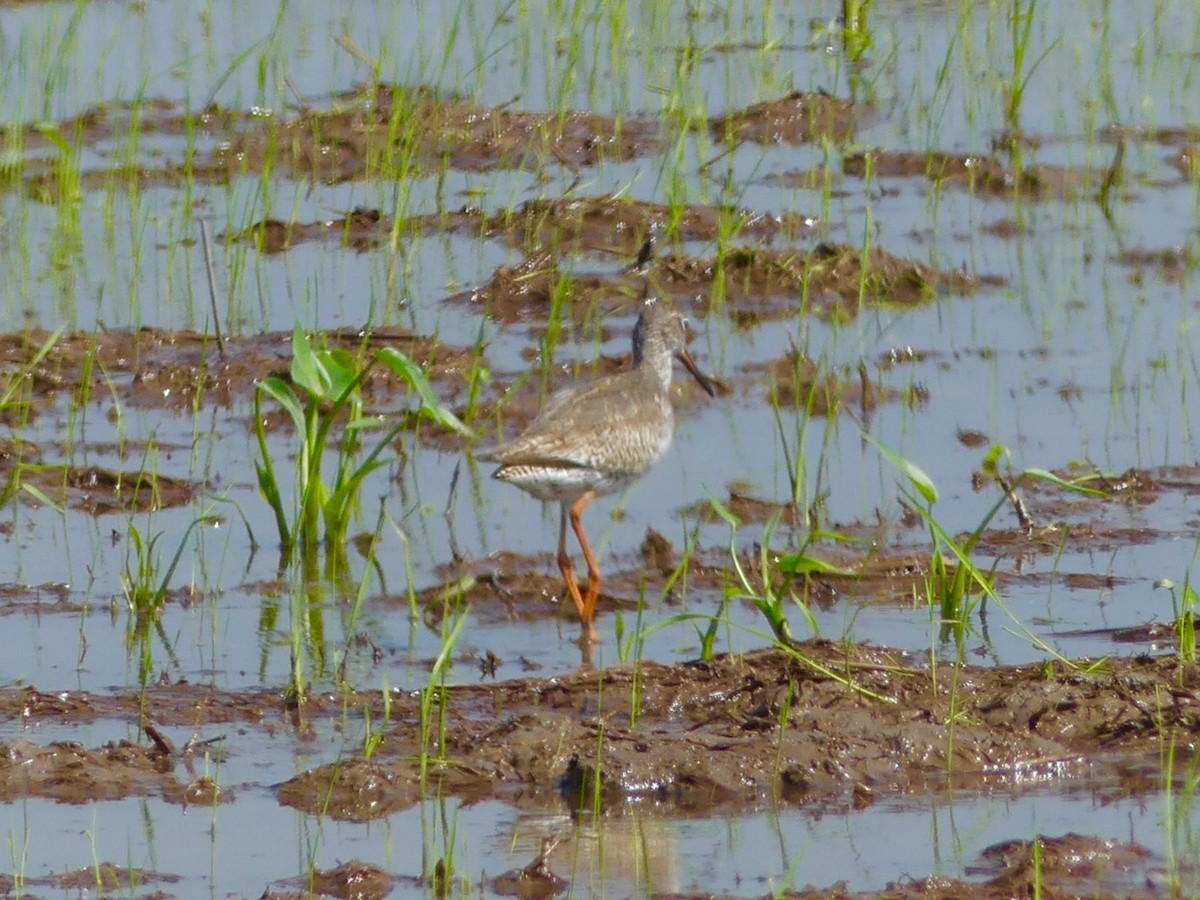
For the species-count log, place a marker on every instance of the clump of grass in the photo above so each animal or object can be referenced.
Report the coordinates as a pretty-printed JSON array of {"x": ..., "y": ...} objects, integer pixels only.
[
  {"x": 325, "y": 388},
  {"x": 957, "y": 585},
  {"x": 146, "y": 584},
  {"x": 856, "y": 28},
  {"x": 16, "y": 403},
  {"x": 1020, "y": 34},
  {"x": 1184, "y": 612},
  {"x": 434, "y": 732},
  {"x": 768, "y": 588}
]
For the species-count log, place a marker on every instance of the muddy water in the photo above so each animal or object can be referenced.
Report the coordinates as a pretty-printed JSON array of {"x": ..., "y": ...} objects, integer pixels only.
[{"x": 474, "y": 185}]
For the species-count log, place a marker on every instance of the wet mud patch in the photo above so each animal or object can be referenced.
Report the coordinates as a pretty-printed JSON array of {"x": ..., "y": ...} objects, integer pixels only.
[
  {"x": 1072, "y": 865},
  {"x": 610, "y": 226},
  {"x": 1172, "y": 265},
  {"x": 176, "y": 370},
  {"x": 103, "y": 876},
  {"x": 797, "y": 118},
  {"x": 97, "y": 490},
  {"x": 1057, "y": 518},
  {"x": 526, "y": 291},
  {"x": 822, "y": 725},
  {"x": 621, "y": 227},
  {"x": 69, "y": 773},
  {"x": 378, "y": 131},
  {"x": 38, "y": 599},
  {"x": 360, "y": 229},
  {"x": 981, "y": 174},
  {"x": 830, "y": 280},
  {"x": 353, "y": 880},
  {"x": 796, "y": 381},
  {"x": 365, "y": 133},
  {"x": 712, "y": 736},
  {"x": 756, "y": 285},
  {"x": 370, "y": 131}
]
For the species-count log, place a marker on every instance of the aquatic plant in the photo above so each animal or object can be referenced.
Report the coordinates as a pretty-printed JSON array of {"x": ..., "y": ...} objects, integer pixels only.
[
  {"x": 435, "y": 691},
  {"x": 1020, "y": 33},
  {"x": 956, "y": 585},
  {"x": 1183, "y": 615},
  {"x": 325, "y": 386},
  {"x": 16, "y": 402},
  {"x": 146, "y": 584}
]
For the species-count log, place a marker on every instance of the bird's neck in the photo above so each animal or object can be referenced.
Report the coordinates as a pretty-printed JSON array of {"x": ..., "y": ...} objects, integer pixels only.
[{"x": 658, "y": 367}]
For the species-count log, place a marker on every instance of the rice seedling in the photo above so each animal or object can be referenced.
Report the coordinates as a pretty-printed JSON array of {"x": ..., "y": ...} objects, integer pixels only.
[
  {"x": 1180, "y": 790},
  {"x": 16, "y": 404},
  {"x": 372, "y": 734},
  {"x": 444, "y": 875},
  {"x": 146, "y": 583},
  {"x": 770, "y": 587},
  {"x": 1021, "y": 20},
  {"x": 856, "y": 30},
  {"x": 1184, "y": 616},
  {"x": 18, "y": 851},
  {"x": 435, "y": 691},
  {"x": 325, "y": 386},
  {"x": 956, "y": 586},
  {"x": 479, "y": 377}
]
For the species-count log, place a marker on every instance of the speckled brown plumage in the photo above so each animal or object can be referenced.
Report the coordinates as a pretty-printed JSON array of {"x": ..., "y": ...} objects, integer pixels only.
[{"x": 600, "y": 437}]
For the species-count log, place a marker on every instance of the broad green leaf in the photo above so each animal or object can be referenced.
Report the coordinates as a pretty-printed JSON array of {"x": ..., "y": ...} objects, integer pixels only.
[
  {"x": 281, "y": 392},
  {"x": 342, "y": 368},
  {"x": 307, "y": 369}
]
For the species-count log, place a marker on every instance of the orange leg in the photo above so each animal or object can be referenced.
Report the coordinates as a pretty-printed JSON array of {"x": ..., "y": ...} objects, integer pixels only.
[
  {"x": 587, "y": 610},
  {"x": 565, "y": 565}
]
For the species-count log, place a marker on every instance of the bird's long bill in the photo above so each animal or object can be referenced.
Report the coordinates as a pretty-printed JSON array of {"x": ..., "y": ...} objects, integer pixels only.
[{"x": 690, "y": 364}]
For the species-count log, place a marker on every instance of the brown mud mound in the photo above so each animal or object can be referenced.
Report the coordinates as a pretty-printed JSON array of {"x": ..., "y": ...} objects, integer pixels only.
[
  {"x": 794, "y": 379},
  {"x": 97, "y": 490},
  {"x": 379, "y": 131},
  {"x": 373, "y": 130},
  {"x": 758, "y": 284},
  {"x": 621, "y": 227},
  {"x": 740, "y": 732},
  {"x": 69, "y": 773},
  {"x": 527, "y": 291},
  {"x": 106, "y": 879},
  {"x": 980, "y": 174},
  {"x": 797, "y": 118},
  {"x": 1070, "y": 866},
  {"x": 608, "y": 225},
  {"x": 830, "y": 280},
  {"x": 157, "y": 368},
  {"x": 353, "y": 880}
]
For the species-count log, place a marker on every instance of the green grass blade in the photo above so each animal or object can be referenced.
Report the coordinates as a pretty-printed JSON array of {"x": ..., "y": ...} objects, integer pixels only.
[
  {"x": 431, "y": 405},
  {"x": 803, "y": 564},
  {"x": 910, "y": 470}
]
